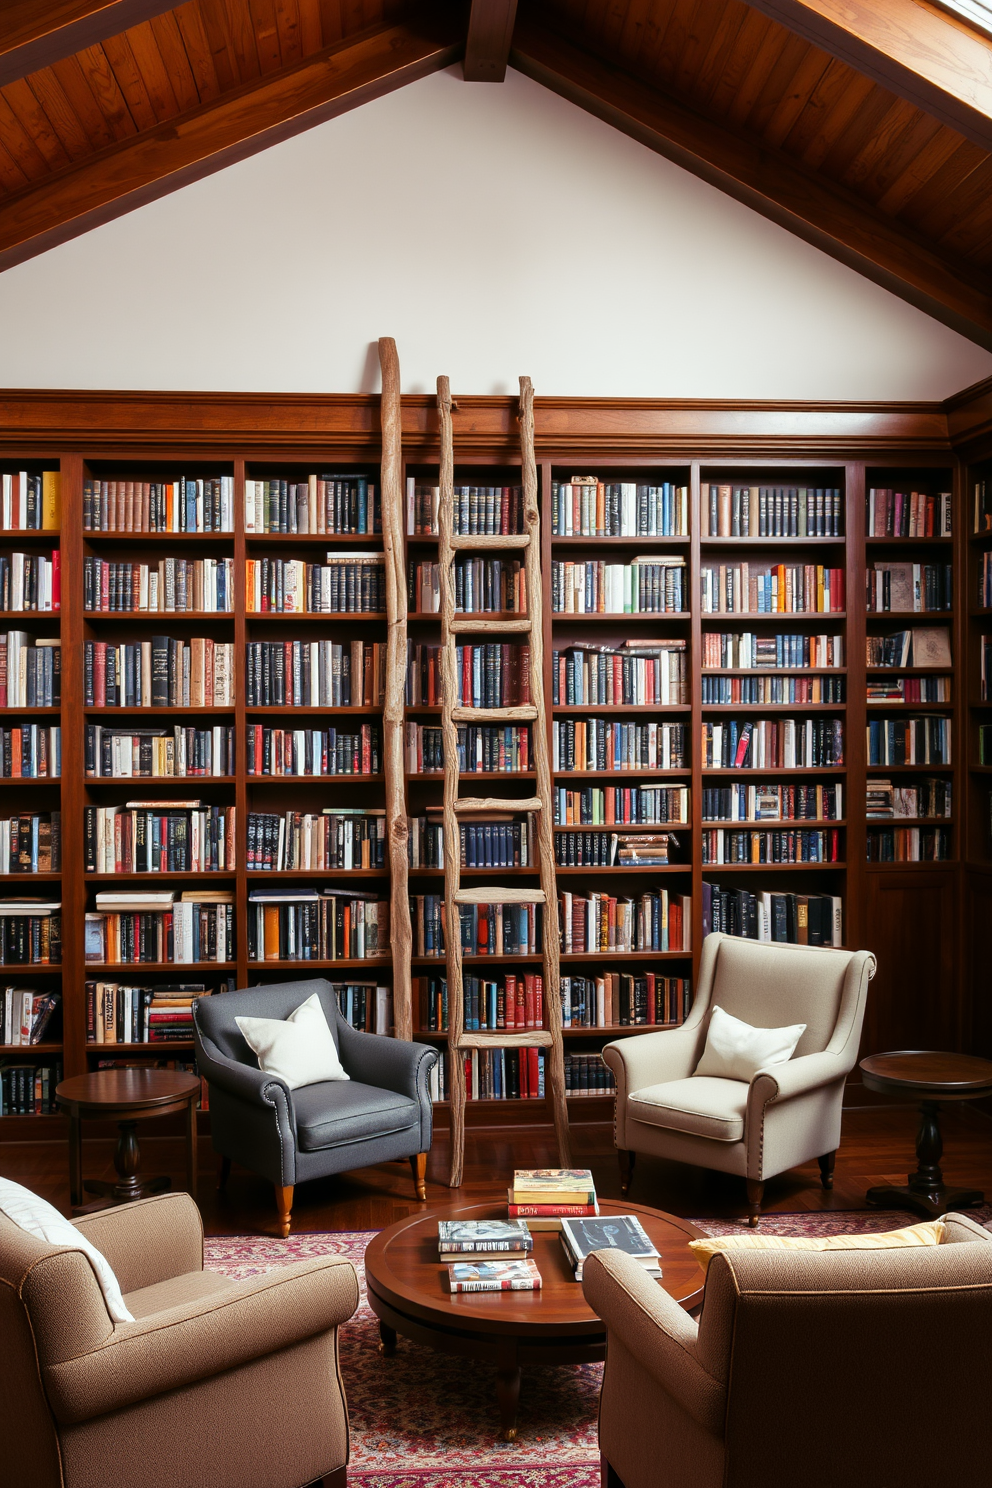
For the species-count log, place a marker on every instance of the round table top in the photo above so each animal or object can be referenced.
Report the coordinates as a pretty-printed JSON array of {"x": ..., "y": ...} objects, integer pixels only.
[
  {"x": 947, "y": 1076},
  {"x": 402, "y": 1267},
  {"x": 138, "y": 1089}
]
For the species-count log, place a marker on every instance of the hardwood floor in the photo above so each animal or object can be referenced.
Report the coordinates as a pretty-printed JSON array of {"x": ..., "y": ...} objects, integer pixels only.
[{"x": 877, "y": 1147}]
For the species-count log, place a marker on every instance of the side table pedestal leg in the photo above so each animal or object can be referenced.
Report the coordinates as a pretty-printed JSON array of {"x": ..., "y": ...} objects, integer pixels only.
[{"x": 925, "y": 1190}]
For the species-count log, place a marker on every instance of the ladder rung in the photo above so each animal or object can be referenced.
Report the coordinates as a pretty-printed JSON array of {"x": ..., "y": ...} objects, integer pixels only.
[
  {"x": 527, "y": 1038},
  {"x": 498, "y": 803},
  {"x": 500, "y": 895},
  {"x": 480, "y": 541},
  {"x": 526, "y": 713},
  {"x": 488, "y": 627}
]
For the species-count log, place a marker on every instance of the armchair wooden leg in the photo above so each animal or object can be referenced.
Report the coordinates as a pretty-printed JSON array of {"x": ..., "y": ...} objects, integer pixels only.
[
  {"x": 418, "y": 1166},
  {"x": 626, "y": 1169},
  {"x": 223, "y": 1173},
  {"x": 827, "y": 1169},
  {"x": 755, "y": 1192},
  {"x": 609, "y": 1477},
  {"x": 284, "y": 1206}
]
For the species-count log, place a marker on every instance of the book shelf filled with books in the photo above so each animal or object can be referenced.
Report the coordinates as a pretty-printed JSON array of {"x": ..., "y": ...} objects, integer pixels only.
[{"x": 976, "y": 817}]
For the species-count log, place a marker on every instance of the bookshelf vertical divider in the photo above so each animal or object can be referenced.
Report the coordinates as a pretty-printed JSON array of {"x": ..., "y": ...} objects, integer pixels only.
[
  {"x": 240, "y": 722},
  {"x": 73, "y": 782},
  {"x": 855, "y": 752},
  {"x": 696, "y": 702}
]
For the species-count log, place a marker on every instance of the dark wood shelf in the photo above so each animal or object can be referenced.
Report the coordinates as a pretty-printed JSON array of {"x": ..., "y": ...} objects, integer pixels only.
[
  {"x": 30, "y": 780},
  {"x": 282, "y": 875},
  {"x": 773, "y": 707},
  {"x": 29, "y": 1049},
  {"x": 251, "y": 615},
  {"x": 27, "y": 878},
  {"x": 617, "y": 870},
  {"x": 618, "y": 617},
  {"x": 797, "y": 671},
  {"x": 322, "y": 539},
  {"x": 179, "y": 875},
  {"x": 289, "y": 711},
  {"x": 903, "y": 703},
  {"x": 310, "y": 779},
  {"x": 160, "y": 1046},
  {"x": 873, "y": 771},
  {"x": 377, "y": 961},
  {"x": 731, "y": 619},
  {"x": 158, "y": 616},
  {"x": 804, "y": 866},
  {"x": 20, "y": 710},
  {"x": 170, "y": 782},
  {"x": 176, "y": 968},
  {"x": 887, "y": 615},
  {"x": 625, "y": 827},
  {"x": 617, "y": 710},
  {"x": 616, "y": 542},
  {"x": 902, "y": 542},
  {"x": 772, "y": 826},
  {"x": 29, "y": 615},
  {"x": 29, "y": 534},
  {"x": 772, "y": 542},
  {"x": 591, "y": 776},
  {"x": 216, "y": 710},
  {"x": 158, "y": 537},
  {"x": 789, "y": 770}
]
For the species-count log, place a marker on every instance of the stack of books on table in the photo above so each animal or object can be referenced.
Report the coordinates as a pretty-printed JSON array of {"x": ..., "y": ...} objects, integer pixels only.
[
  {"x": 545, "y": 1196},
  {"x": 580, "y": 1237},
  {"x": 488, "y": 1255}
]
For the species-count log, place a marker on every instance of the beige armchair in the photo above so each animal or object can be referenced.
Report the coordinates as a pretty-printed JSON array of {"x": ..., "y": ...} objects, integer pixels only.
[
  {"x": 789, "y": 1113},
  {"x": 216, "y": 1384}
]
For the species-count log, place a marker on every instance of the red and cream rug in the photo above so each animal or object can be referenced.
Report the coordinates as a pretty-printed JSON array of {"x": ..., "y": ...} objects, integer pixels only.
[{"x": 423, "y": 1420}]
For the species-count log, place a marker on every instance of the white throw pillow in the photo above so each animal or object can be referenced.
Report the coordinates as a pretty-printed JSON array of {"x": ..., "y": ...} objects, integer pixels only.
[
  {"x": 299, "y": 1049},
  {"x": 736, "y": 1051},
  {"x": 43, "y": 1220}
]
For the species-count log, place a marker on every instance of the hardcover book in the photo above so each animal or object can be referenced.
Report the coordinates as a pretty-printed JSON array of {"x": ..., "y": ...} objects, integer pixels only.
[
  {"x": 494, "y": 1276},
  {"x": 581, "y": 1237},
  {"x": 553, "y": 1185},
  {"x": 483, "y": 1237}
]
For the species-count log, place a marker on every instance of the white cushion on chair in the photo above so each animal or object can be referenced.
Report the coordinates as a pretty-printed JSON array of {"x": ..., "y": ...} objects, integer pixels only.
[
  {"x": 299, "y": 1049},
  {"x": 737, "y": 1051},
  {"x": 43, "y": 1220},
  {"x": 700, "y": 1106}
]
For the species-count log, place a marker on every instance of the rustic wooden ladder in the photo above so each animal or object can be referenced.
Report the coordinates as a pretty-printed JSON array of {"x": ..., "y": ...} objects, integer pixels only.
[{"x": 453, "y": 626}]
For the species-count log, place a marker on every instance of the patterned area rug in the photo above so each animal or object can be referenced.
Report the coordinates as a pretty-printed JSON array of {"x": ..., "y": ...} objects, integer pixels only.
[{"x": 424, "y": 1420}]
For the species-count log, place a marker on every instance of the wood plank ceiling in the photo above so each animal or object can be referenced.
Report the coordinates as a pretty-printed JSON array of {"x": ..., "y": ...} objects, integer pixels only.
[{"x": 113, "y": 123}]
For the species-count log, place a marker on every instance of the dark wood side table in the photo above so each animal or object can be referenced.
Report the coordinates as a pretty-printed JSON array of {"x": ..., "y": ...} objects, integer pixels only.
[
  {"x": 127, "y": 1096},
  {"x": 408, "y": 1292},
  {"x": 931, "y": 1079}
]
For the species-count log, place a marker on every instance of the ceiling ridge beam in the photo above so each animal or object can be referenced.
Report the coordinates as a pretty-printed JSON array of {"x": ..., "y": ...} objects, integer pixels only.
[
  {"x": 765, "y": 179},
  {"x": 487, "y": 46},
  {"x": 36, "y": 33},
  {"x": 217, "y": 134}
]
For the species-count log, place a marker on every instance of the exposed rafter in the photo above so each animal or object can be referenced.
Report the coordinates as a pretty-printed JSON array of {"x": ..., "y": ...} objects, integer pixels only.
[
  {"x": 36, "y": 33},
  {"x": 917, "y": 51},
  {"x": 773, "y": 183},
  {"x": 487, "y": 47},
  {"x": 237, "y": 125}
]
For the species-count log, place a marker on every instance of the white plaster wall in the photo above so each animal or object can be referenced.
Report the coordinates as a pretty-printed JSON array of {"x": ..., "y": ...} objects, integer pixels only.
[{"x": 491, "y": 230}]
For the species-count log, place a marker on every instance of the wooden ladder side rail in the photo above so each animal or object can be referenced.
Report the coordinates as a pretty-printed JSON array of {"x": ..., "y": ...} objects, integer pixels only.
[
  {"x": 449, "y": 744},
  {"x": 555, "y": 1069},
  {"x": 397, "y": 816}
]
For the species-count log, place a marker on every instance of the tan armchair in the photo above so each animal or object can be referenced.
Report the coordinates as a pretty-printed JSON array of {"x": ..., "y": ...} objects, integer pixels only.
[
  {"x": 789, "y": 1113},
  {"x": 216, "y": 1384},
  {"x": 867, "y": 1367}
]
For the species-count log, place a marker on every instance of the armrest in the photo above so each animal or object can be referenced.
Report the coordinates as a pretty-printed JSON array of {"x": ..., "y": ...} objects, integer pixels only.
[
  {"x": 655, "y": 1329},
  {"x": 389, "y": 1063},
  {"x": 173, "y": 1349},
  {"x": 794, "y": 1077},
  {"x": 651, "y": 1058},
  {"x": 243, "y": 1081},
  {"x": 958, "y": 1227},
  {"x": 149, "y": 1241}
]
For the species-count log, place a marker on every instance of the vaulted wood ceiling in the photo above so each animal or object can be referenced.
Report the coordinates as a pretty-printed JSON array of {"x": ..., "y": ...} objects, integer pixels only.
[{"x": 865, "y": 126}]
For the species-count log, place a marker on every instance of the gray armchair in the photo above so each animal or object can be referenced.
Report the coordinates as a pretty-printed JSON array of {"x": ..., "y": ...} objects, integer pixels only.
[{"x": 381, "y": 1113}]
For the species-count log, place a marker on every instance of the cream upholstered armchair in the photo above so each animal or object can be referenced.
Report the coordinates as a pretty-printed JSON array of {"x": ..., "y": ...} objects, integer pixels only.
[
  {"x": 789, "y": 1113},
  {"x": 805, "y": 1367}
]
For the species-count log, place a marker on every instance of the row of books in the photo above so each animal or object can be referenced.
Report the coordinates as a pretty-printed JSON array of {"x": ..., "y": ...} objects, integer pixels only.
[
  {"x": 31, "y": 581},
  {"x": 498, "y": 841},
  {"x": 772, "y": 589},
  {"x": 335, "y": 504},
  {"x": 330, "y": 751},
  {"x": 185, "y": 504},
  {"x": 654, "y": 921},
  {"x": 783, "y": 845},
  {"x": 747, "y": 803},
  {"x": 30, "y": 670},
  {"x": 478, "y": 510},
  {"x": 922, "y": 646},
  {"x": 985, "y": 667},
  {"x": 982, "y": 519},
  {"x": 28, "y": 1016},
  {"x": 796, "y": 919},
  {"x": 335, "y": 838},
  {"x": 494, "y": 929},
  {"x": 985, "y": 581},
  {"x": 315, "y": 674},
  {"x": 772, "y": 743},
  {"x": 608, "y": 744},
  {"x": 146, "y": 753},
  {"x": 316, "y": 925},
  {"x": 624, "y": 805},
  {"x": 909, "y": 741},
  {"x": 891, "y": 513},
  {"x": 650, "y": 585},
  {"x": 118, "y": 1013},
  {"x": 30, "y": 501},
  {"x": 30, "y": 932},
  {"x": 493, "y": 1074},
  {"x": 31, "y": 751},
  {"x": 908, "y": 587},
  {"x": 132, "y": 928},
  {"x": 486, "y": 748},
  {"x": 613, "y": 849},
  {"x": 985, "y": 744},
  {"x": 348, "y": 583},
  {"x": 909, "y": 845},
  {"x": 909, "y": 690},
  {"x": 931, "y": 797},
  {"x": 172, "y": 585},
  {"x": 745, "y": 651},
  {"x": 721, "y": 691},
  {"x": 508, "y": 1002},
  {"x": 492, "y": 675},
  {"x": 624, "y": 999},
  {"x": 772, "y": 511},
  {"x": 31, "y": 842},
  {"x": 588, "y": 507},
  {"x": 632, "y": 674},
  {"x": 481, "y": 586},
  {"x": 163, "y": 672},
  {"x": 29, "y": 1089},
  {"x": 160, "y": 837}
]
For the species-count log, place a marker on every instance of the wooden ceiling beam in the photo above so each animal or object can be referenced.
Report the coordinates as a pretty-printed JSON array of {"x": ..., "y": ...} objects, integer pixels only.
[
  {"x": 914, "y": 49},
  {"x": 765, "y": 179},
  {"x": 241, "y": 123},
  {"x": 487, "y": 47},
  {"x": 36, "y": 33}
]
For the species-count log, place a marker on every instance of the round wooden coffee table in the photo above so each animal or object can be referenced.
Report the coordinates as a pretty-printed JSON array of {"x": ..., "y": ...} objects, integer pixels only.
[
  {"x": 408, "y": 1292},
  {"x": 127, "y": 1096},
  {"x": 931, "y": 1079}
]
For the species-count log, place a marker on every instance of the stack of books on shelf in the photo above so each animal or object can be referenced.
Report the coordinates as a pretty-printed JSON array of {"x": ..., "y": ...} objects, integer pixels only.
[
  {"x": 123, "y": 1014},
  {"x": 620, "y": 805},
  {"x": 162, "y": 672},
  {"x": 507, "y": 1002},
  {"x": 182, "y": 505},
  {"x": 908, "y": 587},
  {"x": 349, "y": 583},
  {"x": 495, "y": 929},
  {"x": 771, "y": 511},
  {"x": 923, "y": 646},
  {"x": 655, "y": 921},
  {"x": 892, "y": 513},
  {"x": 30, "y": 932},
  {"x": 796, "y": 919},
  {"x": 153, "y": 926},
  {"x": 608, "y": 744},
  {"x": 772, "y": 589},
  {"x": 173, "y": 585},
  {"x": 332, "y": 504},
  {"x": 31, "y": 842},
  {"x": 482, "y": 749},
  {"x": 772, "y": 743},
  {"x": 30, "y": 670},
  {"x": 653, "y": 584},
  {"x": 622, "y": 999},
  {"x": 909, "y": 741},
  {"x": 26, "y": 1016},
  {"x": 29, "y": 1089},
  {"x": 29, "y": 501},
  {"x": 927, "y": 798},
  {"x": 290, "y": 924},
  {"x": 588, "y": 507},
  {"x": 159, "y": 837},
  {"x": 634, "y": 674},
  {"x": 329, "y": 751},
  {"x": 613, "y": 849},
  {"x": 487, "y": 1255},
  {"x": 30, "y": 582},
  {"x": 623, "y": 1232},
  {"x": 315, "y": 674},
  {"x": 746, "y": 803},
  {"x": 483, "y": 586},
  {"x": 339, "y": 837},
  {"x": 985, "y": 581},
  {"x": 743, "y": 650},
  {"x": 478, "y": 510},
  {"x": 127, "y": 753},
  {"x": 31, "y": 751}
]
